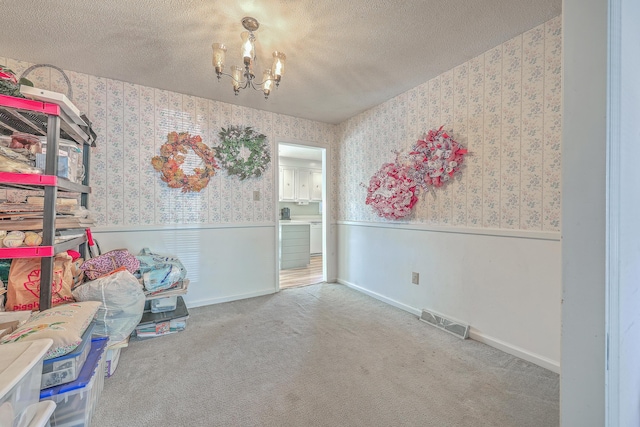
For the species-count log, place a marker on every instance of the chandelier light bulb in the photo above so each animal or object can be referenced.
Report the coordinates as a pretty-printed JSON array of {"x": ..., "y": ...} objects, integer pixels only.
[
  {"x": 236, "y": 78},
  {"x": 277, "y": 69},
  {"x": 248, "y": 49},
  {"x": 219, "y": 51},
  {"x": 268, "y": 83}
]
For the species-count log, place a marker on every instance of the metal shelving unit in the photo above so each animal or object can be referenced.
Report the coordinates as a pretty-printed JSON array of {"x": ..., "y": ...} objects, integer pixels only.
[{"x": 50, "y": 120}]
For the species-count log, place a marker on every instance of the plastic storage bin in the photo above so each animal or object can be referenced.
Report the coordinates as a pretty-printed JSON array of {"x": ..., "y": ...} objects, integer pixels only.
[
  {"x": 71, "y": 151},
  {"x": 160, "y": 305},
  {"x": 113, "y": 356},
  {"x": 20, "y": 371},
  {"x": 63, "y": 163},
  {"x": 43, "y": 414},
  {"x": 64, "y": 369},
  {"x": 76, "y": 401}
]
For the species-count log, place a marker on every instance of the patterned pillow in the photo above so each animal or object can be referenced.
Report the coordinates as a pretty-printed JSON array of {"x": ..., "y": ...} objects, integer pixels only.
[{"x": 64, "y": 324}]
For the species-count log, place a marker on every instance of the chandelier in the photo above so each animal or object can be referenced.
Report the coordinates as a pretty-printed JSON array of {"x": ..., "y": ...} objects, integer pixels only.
[{"x": 244, "y": 77}]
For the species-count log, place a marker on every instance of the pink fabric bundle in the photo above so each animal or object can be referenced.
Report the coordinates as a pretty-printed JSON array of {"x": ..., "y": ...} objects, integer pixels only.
[{"x": 108, "y": 262}]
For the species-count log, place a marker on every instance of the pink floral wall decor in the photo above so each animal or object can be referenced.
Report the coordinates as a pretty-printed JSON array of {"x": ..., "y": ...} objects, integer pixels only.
[
  {"x": 392, "y": 191},
  {"x": 435, "y": 159},
  {"x": 431, "y": 162}
]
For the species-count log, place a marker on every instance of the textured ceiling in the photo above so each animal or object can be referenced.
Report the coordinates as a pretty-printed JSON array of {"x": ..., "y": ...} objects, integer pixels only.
[{"x": 343, "y": 57}]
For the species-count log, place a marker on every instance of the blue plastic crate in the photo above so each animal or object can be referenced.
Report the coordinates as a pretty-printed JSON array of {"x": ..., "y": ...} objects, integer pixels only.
[
  {"x": 76, "y": 401},
  {"x": 64, "y": 369}
]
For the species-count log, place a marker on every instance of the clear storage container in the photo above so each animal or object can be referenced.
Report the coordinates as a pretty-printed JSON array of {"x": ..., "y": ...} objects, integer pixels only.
[
  {"x": 160, "y": 305},
  {"x": 64, "y": 369},
  {"x": 43, "y": 414},
  {"x": 73, "y": 153},
  {"x": 63, "y": 164},
  {"x": 76, "y": 401},
  {"x": 113, "y": 356},
  {"x": 20, "y": 371}
]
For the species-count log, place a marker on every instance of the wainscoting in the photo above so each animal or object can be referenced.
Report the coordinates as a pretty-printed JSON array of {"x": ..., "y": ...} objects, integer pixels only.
[
  {"x": 224, "y": 263},
  {"x": 506, "y": 287}
]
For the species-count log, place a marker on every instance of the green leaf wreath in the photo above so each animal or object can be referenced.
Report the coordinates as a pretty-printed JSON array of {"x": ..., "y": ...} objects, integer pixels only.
[{"x": 243, "y": 152}]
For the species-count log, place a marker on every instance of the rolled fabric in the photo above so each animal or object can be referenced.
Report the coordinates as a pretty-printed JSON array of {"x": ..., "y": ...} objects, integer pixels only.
[
  {"x": 32, "y": 238},
  {"x": 13, "y": 239}
]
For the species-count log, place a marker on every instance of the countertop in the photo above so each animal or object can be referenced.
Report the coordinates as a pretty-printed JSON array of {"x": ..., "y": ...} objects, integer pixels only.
[
  {"x": 302, "y": 220},
  {"x": 293, "y": 222}
]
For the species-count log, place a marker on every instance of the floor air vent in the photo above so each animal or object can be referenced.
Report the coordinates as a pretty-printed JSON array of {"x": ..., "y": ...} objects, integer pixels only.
[{"x": 455, "y": 328}]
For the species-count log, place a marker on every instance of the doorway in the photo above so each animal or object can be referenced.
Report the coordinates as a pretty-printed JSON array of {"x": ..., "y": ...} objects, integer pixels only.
[{"x": 301, "y": 215}]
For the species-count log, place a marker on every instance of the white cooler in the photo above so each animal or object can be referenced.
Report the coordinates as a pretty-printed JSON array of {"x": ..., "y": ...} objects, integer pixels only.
[
  {"x": 43, "y": 414},
  {"x": 20, "y": 376}
]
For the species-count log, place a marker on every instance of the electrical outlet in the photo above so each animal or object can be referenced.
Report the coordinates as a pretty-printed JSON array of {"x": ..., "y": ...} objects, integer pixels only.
[
  {"x": 256, "y": 196},
  {"x": 415, "y": 278}
]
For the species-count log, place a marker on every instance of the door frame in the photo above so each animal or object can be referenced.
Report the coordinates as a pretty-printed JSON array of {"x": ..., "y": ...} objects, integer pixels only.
[
  {"x": 622, "y": 230},
  {"x": 328, "y": 240}
]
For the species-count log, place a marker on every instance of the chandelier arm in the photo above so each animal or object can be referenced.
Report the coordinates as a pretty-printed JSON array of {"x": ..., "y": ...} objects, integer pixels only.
[
  {"x": 259, "y": 85},
  {"x": 230, "y": 76},
  {"x": 247, "y": 82}
]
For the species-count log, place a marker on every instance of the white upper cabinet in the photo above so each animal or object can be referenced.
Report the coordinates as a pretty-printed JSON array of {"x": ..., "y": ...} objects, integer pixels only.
[
  {"x": 316, "y": 185},
  {"x": 299, "y": 182},
  {"x": 303, "y": 184},
  {"x": 287, "y": 184}
]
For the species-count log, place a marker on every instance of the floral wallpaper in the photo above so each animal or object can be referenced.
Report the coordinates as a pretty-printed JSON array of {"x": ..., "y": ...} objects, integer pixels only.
[
  {"x": 505, "y": 107},
  {"x": 133, "y": 121}
]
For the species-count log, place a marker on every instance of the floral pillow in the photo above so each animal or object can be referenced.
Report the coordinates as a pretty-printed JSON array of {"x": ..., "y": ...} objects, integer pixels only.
[{"x": 64, "y": 324}]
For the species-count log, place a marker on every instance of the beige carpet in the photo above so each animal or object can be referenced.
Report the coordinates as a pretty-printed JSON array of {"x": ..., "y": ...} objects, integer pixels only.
[{"x": 321, "y": 355}]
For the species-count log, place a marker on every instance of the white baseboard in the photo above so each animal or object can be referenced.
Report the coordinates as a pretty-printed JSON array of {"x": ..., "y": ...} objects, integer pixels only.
[
  {"x": 210, "y": 301},
  {"x": 381, "y": 297},
  {"x": 536, "y": 359},
  {"x": 546, "y": 363}
]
